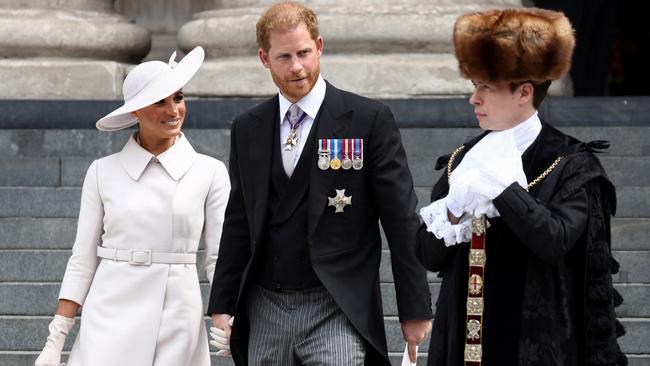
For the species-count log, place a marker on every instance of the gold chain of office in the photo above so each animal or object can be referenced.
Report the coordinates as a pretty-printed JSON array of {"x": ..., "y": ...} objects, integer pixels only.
[{"x": 530, "y": 185}]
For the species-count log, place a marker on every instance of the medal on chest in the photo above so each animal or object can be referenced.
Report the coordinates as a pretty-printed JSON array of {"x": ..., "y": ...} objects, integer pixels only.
[
  {"x": 339, "y": 201},
  {"x": 336, "y": 150},
  {"x": 357, "y": 153},
  {"x": 324, "y": 154},
  {"x": 346, "y": 162}
]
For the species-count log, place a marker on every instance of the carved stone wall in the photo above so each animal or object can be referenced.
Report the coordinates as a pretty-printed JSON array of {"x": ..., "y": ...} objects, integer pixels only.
[
  {"x": 379, "y": 48},
  {"x": 66, "y": 49}
]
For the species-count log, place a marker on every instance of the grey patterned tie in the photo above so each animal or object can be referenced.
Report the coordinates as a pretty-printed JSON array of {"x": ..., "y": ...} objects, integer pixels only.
[{"x": 289, "y": 146}]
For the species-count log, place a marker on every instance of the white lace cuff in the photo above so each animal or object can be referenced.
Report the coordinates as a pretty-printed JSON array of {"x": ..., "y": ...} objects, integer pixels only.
[{"x": 435, "y": 217}]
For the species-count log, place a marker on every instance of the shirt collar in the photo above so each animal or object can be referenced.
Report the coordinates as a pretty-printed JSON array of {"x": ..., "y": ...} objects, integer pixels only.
[
  {"x": 310, "y": 103},
  {"x": 176, "y": 160},
  {"x": 526, "y": 132}
]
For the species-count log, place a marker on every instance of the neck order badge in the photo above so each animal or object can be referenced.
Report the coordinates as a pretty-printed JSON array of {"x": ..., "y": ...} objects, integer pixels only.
[{"x": 295, "y": 122}]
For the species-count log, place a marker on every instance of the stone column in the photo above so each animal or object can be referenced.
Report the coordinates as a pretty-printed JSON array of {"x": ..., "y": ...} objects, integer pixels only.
[
  {"x": 378, "y": 48},
  {"x": 66, "y": 49}
]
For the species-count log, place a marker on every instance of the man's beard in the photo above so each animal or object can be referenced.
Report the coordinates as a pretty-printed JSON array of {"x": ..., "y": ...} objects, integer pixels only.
[{"x": 291, "y": 92}]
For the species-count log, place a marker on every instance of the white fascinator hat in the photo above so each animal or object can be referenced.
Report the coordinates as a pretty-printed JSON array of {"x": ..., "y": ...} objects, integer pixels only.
[{"x": 148, "y": 83}]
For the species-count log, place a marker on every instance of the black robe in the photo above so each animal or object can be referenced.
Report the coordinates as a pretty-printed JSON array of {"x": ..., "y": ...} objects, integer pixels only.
[{"x": 548, "y": 293}]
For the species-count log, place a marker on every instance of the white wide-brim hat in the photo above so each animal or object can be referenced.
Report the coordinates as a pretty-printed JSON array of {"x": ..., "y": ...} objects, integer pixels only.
[{"x": 149, "y": 83}]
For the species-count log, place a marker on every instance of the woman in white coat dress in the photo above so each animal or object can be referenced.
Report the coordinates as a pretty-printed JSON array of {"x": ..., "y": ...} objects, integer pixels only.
[{"x": 143, "y": 213}]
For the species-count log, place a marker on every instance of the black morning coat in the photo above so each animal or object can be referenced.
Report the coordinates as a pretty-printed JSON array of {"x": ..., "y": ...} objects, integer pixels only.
[
  {"x": 548, "y": 291},
  {"x": 345, "y": 248}
]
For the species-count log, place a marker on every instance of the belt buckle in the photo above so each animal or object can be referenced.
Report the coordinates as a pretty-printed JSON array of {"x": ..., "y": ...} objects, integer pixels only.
[{"x": 138, "y": 259}]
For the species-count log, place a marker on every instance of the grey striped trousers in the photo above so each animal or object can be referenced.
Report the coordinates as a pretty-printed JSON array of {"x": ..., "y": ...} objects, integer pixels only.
[{"x": 300, "y": 328}]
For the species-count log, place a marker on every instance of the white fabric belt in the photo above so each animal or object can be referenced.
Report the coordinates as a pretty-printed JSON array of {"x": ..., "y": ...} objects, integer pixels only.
[{"x": 145, "y": 257}]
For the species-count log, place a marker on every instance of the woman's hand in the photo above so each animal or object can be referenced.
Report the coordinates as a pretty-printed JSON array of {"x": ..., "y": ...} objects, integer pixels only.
[
  {"x": 220, "y": 333},
  {"x": 51, "y": 354}
]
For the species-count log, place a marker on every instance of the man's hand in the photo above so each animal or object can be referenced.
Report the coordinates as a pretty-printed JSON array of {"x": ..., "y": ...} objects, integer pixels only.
[
  {"x": 220, "y": 333},
  {"x": 415, "y": 331}
]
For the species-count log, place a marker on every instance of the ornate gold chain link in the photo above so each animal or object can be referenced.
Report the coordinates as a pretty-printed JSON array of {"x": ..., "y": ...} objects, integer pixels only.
[
  {"x": 545, "y": 173},
  {"x": 535, "y": 181},
  {"x": 450, "y": 163}
]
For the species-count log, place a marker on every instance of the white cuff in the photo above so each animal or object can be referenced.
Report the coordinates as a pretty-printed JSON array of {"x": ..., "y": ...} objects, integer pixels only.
[{"x": 435, "y": 217}]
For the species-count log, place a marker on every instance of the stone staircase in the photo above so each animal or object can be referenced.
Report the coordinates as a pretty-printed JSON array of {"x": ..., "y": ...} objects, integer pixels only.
[{"x": 41, "y": 171}]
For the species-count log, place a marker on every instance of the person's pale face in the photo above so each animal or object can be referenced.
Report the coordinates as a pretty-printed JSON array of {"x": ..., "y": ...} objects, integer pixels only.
[
  {"x": 498, "y": 108},
  {"x": 162, "y": 120},
  {"x": 294, "y": 61}
]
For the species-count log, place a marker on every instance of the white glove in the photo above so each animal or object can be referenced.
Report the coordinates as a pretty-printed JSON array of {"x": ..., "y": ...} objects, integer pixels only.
[
  {"x": 496, "y": 164},
  {"x": 464, "y": 197},
  {"x": 486, "y": 170},
  {"x": 51, "y": 354},
  {"x": 473, "y": 191},
  {"x": 458, "y": 195},
  {"x": 221, "y": 340}
]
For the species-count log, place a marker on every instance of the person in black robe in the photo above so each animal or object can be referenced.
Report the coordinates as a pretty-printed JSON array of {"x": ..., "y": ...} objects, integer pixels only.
[{"x": 546, "y": 284}]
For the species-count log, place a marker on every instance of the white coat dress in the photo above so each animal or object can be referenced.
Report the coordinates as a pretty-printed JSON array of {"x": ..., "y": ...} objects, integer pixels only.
[{"x": 145, "y": 315}]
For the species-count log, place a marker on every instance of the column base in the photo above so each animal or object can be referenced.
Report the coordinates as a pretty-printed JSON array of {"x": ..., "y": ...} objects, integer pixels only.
[
  {"x": 61, "y": 79},
  {"x": 376, "y": 76}
]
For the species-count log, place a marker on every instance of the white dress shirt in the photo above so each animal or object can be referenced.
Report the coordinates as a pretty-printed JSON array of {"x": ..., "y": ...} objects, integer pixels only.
[{"x": 310, "y": 104}]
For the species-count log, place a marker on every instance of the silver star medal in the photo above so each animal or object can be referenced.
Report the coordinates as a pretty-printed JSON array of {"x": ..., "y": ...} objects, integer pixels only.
[
  {"x": 340, "y": 200},
  {"x": 291, "y": 140}
]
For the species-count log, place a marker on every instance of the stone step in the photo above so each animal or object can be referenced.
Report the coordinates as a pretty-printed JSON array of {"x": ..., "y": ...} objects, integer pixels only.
[
  {"x": 39, "y": 202},
  {"x": 28, "y": 333},
  {"x": 40, "y": 298},
  {"x": 59, "y": 233},
  {"x": 418, "y": 142},
  {"x": 49, "y": 266},
  {"x": 30, "y": 171},
  {"x": 37, "y": 233},
  {"x": 64, "y": 202},
  {"x": 91, "y": 143}
]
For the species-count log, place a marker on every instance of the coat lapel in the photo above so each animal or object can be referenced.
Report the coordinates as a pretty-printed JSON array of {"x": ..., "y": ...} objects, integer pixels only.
[
  {"x": 260, "y": 137},
  {"x": 334, "y": 120}
]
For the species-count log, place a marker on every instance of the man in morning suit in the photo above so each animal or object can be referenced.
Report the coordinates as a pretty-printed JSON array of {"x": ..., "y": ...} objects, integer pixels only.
[{"x": 313, "y": 169}]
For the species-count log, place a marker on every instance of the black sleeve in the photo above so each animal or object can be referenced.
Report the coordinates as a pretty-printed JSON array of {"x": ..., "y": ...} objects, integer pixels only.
[
  {"x": 235, "y": 248},
  {"x": 392, "y": 185},
  {"x": 549, "y": 231}
]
